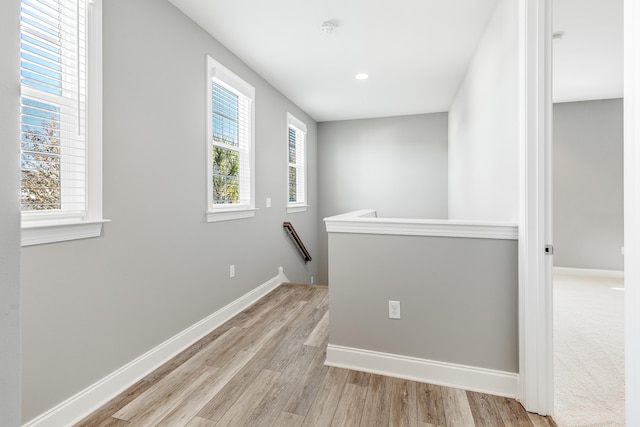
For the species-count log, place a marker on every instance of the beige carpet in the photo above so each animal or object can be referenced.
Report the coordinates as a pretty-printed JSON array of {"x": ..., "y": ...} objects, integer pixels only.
[{"x": 589, "y": 351}]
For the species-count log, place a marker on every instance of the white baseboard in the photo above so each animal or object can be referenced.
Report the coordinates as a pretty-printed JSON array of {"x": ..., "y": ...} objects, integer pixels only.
[
  {"x": 568, "y": 271},
  {"x": 82, "y": 404},
  {"x": 423, "y": 370}
]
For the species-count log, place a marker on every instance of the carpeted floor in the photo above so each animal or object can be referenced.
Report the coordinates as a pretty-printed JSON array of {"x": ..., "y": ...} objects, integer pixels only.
[{"x": 589, "y": 351}]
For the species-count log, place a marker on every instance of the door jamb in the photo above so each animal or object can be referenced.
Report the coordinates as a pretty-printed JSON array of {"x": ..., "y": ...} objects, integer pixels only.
[
  {"x": 632, "y": 209},
  {"x": 535, "y": 304}
]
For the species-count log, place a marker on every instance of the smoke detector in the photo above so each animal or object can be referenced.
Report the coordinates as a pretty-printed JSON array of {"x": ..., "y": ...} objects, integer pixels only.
[{"x": 327, "y": 27}]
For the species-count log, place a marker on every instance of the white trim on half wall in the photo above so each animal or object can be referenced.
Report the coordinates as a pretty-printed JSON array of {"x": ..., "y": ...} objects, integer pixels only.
[{"x": 367, "y": 222}]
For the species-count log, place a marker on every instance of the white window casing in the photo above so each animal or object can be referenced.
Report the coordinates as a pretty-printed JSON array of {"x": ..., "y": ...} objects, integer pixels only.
[
  {"x": 61, "y": 120},
  {"x": 230, "y": 145},
  {"x": 296, "y": 165}
]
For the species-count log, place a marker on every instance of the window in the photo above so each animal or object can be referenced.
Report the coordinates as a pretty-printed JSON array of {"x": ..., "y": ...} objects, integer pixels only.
[
  {"x": 230, "y": 161},
  {"x": 60, "y": 120},
  {"x": 297, "y": 164}
]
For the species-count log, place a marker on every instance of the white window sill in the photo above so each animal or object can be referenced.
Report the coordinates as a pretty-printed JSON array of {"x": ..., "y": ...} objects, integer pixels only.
[
  {"x": 230, "y": 214},
  {"x": 39, "y": 233},
  {"x": 297, "y": 208}
]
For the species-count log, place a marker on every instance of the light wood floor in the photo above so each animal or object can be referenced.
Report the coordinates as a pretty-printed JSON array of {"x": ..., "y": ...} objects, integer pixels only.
[{"x": 265, "y": 367}]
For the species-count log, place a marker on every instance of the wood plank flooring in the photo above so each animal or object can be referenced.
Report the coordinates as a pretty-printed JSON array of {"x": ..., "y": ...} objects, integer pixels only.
[{"x": 265, "y": 367}]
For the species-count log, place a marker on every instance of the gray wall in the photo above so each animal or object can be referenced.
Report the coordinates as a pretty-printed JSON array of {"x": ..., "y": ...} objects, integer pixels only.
[
  {"x": 9, "y": 217},
  {"x": 396, "y": 165},
  {"x": 91, "y": 306},
  {"x": 458, "y": 296},
  {"x": 588, "y": 184}
]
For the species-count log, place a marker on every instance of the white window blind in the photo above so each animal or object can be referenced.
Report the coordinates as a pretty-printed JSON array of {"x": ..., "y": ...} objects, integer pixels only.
[
  {"x": 229, "y": 143},
  {"x": 230, "y": 139},
  {"x": 296, "y": 138},
  {"x": 53, "y": 115}
]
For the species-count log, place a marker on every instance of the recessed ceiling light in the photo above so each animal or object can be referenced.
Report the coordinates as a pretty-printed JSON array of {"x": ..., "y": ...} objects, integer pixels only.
[{"x": 362, "y": 76}]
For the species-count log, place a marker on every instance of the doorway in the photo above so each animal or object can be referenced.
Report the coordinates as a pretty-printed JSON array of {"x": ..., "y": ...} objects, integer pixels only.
[{"x": 588, "y": 289}]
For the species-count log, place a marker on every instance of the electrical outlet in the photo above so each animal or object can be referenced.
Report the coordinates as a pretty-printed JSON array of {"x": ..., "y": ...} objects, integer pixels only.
[
  {"x": 232, "y": 271},
  {"x": 394, "y": 309},
  {"x": 312, "y": 280},
  {"x": 268, "y": 202}
]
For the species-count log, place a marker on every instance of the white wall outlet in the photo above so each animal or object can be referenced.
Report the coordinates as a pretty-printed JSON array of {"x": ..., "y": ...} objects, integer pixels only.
[
  {"x": 232, "y": 270},
  {"x": 394, "y": 309},
  {"x": 312, "y": 280},
  {"x": 622, "y": 250},
  {"x": 268, "y": 202}
]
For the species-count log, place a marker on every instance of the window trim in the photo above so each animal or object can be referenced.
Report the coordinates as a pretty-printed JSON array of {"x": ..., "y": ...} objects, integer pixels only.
[
  {"x": 295, "y": 207},
  {"x": 50, "y": 227},
  {"x": 215, "y": 212}
]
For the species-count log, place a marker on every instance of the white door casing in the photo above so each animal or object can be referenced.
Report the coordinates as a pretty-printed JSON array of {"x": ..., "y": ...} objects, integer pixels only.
[
  {"x": 535, "y": 286},
  {"x": 632, "y": 209}
]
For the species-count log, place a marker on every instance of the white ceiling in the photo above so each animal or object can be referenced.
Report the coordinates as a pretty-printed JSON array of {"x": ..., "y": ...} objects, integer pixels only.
[
  {"x": 588, "y": 59},
  {"x": 415, "y": 51}
]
